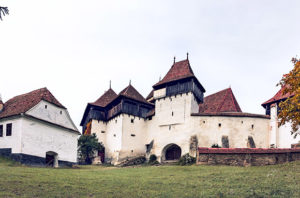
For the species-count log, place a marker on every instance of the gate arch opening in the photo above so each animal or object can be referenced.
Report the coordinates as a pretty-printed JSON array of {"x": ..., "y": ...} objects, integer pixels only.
[
  {"x": 171, "y": 152},
  {"x": 51, "y": 159}
]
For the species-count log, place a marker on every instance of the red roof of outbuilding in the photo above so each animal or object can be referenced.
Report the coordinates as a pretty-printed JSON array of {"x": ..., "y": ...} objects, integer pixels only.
[
  {"x": 105, "y": 99},
  {"x": 179, "y": 70},
  {"x": 222, "y": 101},
  {"x": 278, "y": 96},
  {"x": 22, "y": 103}
]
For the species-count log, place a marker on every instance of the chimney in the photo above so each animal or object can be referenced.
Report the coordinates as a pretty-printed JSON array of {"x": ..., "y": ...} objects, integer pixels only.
[{"x": 1, "y": 104}]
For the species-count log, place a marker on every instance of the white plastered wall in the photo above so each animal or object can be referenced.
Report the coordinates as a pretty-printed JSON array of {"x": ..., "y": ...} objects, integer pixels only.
[
  {"x": 281, "y": 136},
  {"x": 39, "y": 137},
  {"x": 134, "y": 137},
  {"x": 13, "y": 141},
  {"x": 51, "y": 113},
  {"x": 166, "y": 129}
]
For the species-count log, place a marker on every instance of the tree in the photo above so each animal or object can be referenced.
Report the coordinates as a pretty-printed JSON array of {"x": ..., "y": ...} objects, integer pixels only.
[
  {"x": 88, "y": 145},
  {"x": 3, "y": 11},
  {"x": 290, "y": 108}
]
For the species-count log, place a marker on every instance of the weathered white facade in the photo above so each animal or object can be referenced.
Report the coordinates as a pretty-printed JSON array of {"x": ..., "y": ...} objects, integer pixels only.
[
  {"x": 177, "y": 124},
  {"x": 174, "y": 123},
  {"x": 281, "y": 137},
  {"x": 44, "y": 128}
]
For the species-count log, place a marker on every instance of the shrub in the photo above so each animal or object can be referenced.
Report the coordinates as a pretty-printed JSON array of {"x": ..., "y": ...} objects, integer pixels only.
[
  {"x": 215, "y": 146},
  {"x": 153, "y": 160},
  {"x": 186, "y": 159}
]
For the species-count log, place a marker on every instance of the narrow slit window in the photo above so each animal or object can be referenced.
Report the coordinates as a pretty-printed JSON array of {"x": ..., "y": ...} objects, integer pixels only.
[
  {"x": 132, "y": 120},
  {"x": 132, "y": 135},
  {"x": 46, "y": 106},
  {"x": 220, "y": 124}
]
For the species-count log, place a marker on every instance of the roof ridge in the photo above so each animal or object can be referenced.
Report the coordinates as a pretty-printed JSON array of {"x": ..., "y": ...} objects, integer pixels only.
[{"x": 221, "y": 105}]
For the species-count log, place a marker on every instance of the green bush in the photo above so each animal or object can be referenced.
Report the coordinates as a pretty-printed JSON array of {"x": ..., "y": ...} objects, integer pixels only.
[
  {"x": 153, "y": 160},
  {"x": 186, "y": 159},
  {"x": 215, "y": 146}
]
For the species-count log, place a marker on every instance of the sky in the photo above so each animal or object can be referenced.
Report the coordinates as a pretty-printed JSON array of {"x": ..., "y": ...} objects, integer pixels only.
[{"x": 75, "y": 47}]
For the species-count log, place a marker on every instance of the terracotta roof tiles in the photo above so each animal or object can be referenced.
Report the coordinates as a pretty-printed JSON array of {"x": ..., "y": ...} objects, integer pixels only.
[
  {"x": 105, "y": 99},
  {"x": 179, "y": 70},
  {"x": 22, "y": 103},
  {"x": 222, "y": 101},
  {"x": 132, "y": 93},
  {"x": 278, "y": 96}
]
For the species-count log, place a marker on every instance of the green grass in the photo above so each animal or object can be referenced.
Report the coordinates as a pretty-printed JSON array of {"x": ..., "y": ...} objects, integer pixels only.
[{"x": 146, "y": 181}]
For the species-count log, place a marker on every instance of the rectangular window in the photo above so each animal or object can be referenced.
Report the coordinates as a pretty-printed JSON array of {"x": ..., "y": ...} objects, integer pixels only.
[
  {"x": 1, "y": 130},
  {"x": 8, "y": 129}
]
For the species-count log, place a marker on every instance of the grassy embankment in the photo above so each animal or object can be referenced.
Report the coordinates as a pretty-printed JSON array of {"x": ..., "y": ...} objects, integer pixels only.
[{"x": 161, "y": 181}]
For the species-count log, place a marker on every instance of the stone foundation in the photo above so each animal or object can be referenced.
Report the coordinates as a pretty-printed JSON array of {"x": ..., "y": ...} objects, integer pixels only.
[
  {"x": 246, "y": 156},
  {"x": 31, "y": 160}
]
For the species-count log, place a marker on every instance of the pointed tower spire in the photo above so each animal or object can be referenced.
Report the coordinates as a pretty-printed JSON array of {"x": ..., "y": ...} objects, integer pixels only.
[
  {"x": 187, "y": 56},
  {"x": 129, "y": 82},
  {"x": 109, "y": 84},
  {"x": 174, "y": 59}
]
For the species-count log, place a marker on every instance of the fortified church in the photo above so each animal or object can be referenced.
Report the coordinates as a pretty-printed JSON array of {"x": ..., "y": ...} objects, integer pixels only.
[{"x": 174, "y": 119}]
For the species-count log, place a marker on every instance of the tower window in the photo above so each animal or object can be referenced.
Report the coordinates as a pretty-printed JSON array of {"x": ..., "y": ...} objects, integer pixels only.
[
  {"x": 60, "y": 112},
  {"x": 252, "y": 126},
  {"x": 132, "y": 120},
  {"x": 132, "y": 135},
  {"x": 102, "y": 131},
  {"x": 46, "y": 106},
  {"x": 220, "y": 124},
  {"x": 116, "y": 121},
  {"x": 114, "y": 135},
  {"x": 172, "y": 113},
  {"x": 169, "y": 127}
]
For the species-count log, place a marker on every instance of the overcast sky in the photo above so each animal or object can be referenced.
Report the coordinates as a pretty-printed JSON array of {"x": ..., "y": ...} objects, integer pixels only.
[{"x": 75, "y": 47}]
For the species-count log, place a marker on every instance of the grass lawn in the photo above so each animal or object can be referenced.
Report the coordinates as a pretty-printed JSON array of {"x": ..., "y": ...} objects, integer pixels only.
[{"x": 161, "y": 181}]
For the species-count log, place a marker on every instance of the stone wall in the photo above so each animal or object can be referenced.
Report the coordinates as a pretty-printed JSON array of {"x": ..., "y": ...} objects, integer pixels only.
[{"x": 246, "y": 156}]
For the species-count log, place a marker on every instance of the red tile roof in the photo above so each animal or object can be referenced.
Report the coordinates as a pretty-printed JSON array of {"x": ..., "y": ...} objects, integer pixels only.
[
  {"x": 204, "y": 150},
  {"x": 132, "y": 93},
  {"x": 232, "y": 114},
  {"x": 179, "y": 70},
  {"x": 105, "y": 99},
  {"x": 22, "y": 103},
  {"x": 222, "y": 101},
  {"x": 278, "y": 96}
]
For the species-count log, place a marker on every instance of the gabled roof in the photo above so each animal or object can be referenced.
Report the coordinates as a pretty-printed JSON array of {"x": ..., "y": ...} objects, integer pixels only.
[
  {"x": 132, "y": 93},
  {"x": 222, "y": 101},
  {"x": 278, "y": 97},
  {"x": 179, "y": 70},
  {"x": 150, "y": 95},
  {"x": 105, "y": 99},
  {"x": 22, "y": 103}
]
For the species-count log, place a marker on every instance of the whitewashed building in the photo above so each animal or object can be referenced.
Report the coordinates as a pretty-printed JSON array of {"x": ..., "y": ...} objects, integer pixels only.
[
  {"x": 36, "y": 129},
  {"x": 173, "y": 120},
  {"x": 280, "y": 137}
]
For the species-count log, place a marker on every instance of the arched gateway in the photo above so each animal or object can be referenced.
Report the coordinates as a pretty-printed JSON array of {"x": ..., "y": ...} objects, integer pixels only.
[{"x": 171, "y": 152}]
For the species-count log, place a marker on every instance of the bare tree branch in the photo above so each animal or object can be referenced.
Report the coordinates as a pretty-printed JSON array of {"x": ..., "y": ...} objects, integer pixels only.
[{"x": 3, "y": 11}]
